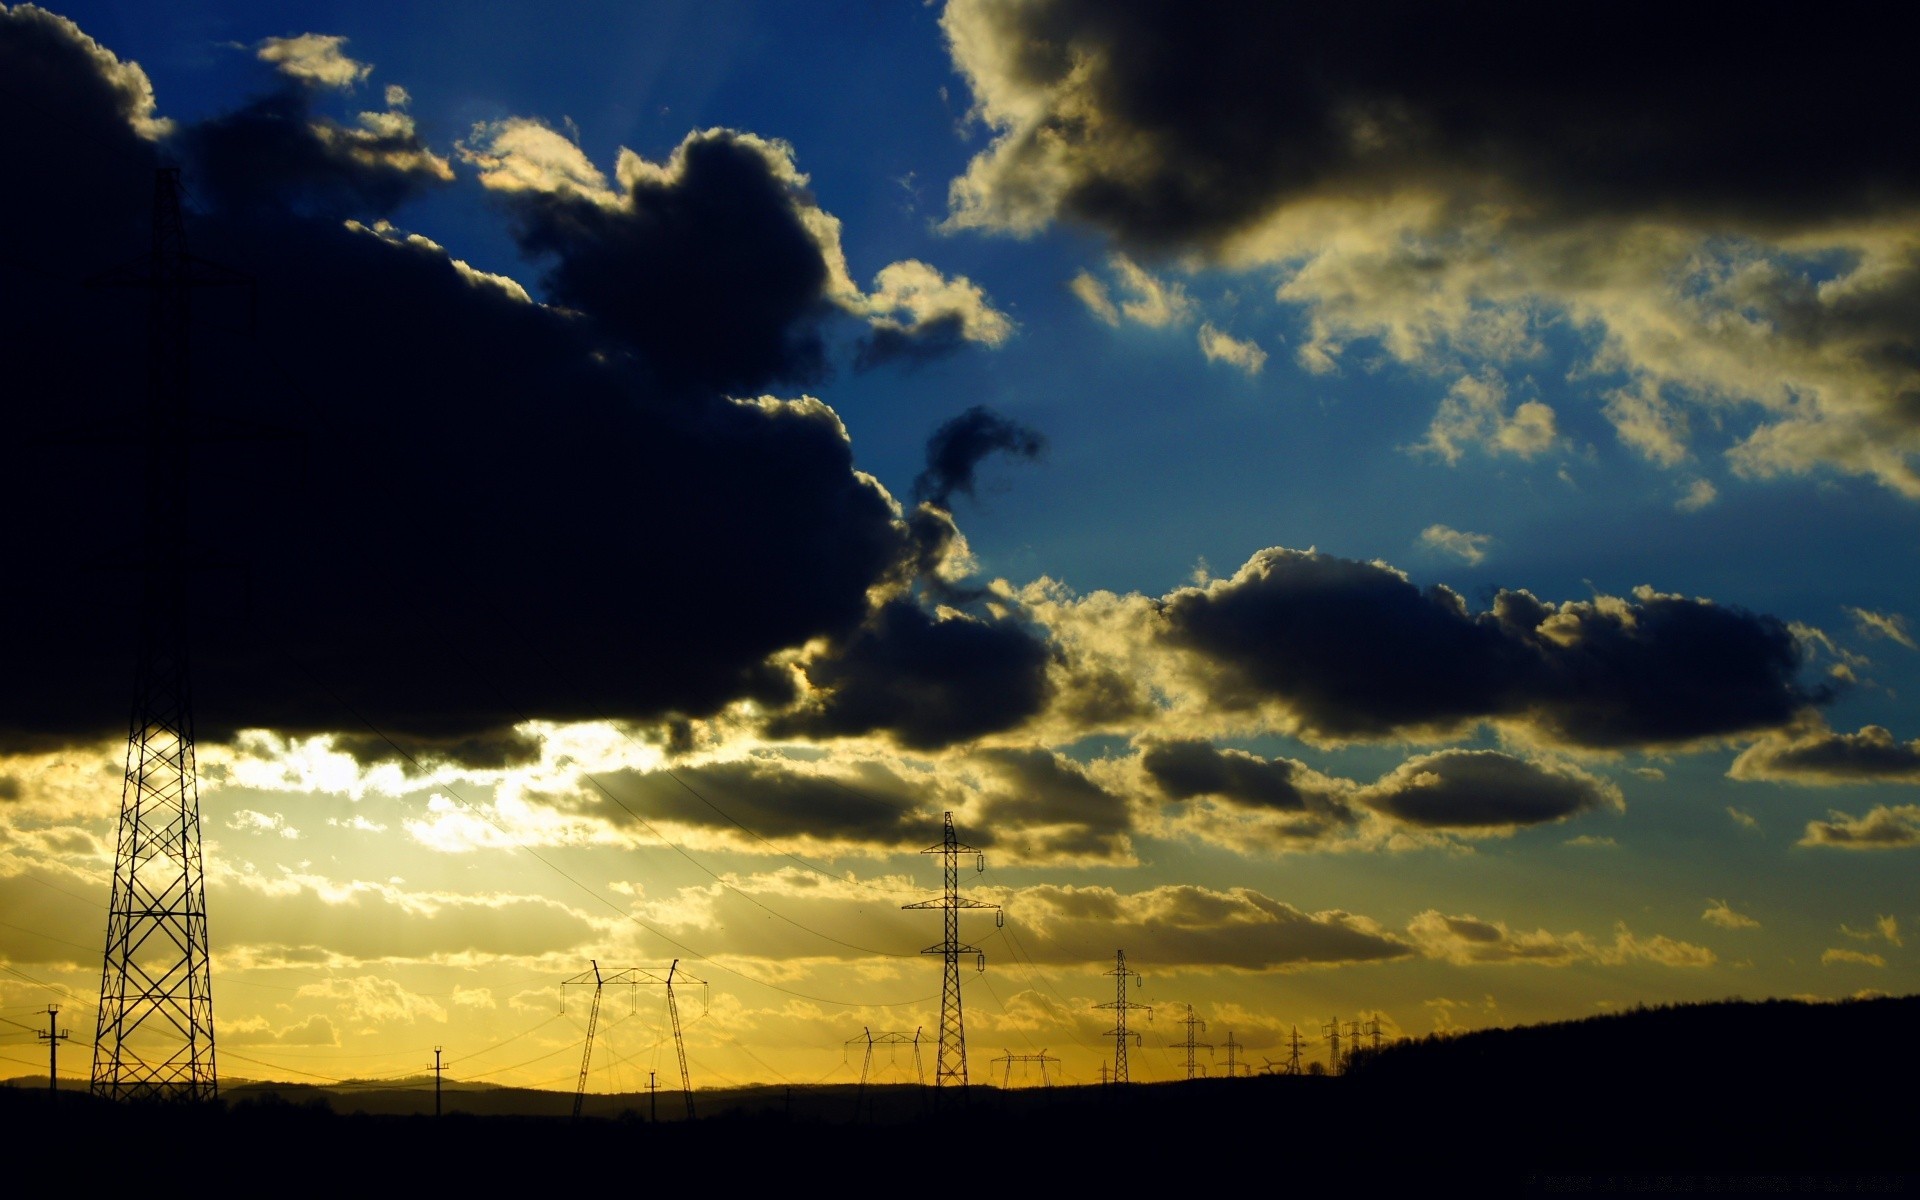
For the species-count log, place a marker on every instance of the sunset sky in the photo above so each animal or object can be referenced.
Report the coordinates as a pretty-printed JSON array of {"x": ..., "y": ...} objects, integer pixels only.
[{"x": 1369, "y": 509}]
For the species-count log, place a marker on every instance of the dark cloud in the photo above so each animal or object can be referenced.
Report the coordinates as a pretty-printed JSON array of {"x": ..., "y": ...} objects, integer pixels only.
[
  {"x": 1187, "y": 769},
  {"x": 1042, "y": 806},
  {"x": 870, "y": 804},
  {"x": 926, "y": 680},
  {"x": 1886, "y": 827},
  {"x": 1184, "y": 925},
  {"x": 707, "y": 268},
  {"x": 494, "y": 749},
  {"x": 1176, "y": 126},
  {"x": 487, "y": 518},
  {"x": 1824, "y": 757},
  {"x": 1485, "y": 790},
  {"x": 1355, "y": 650},
  {"x": 911, "y": 345},
  {"x": 957, "y": 448},
  {"x": 1246, "y": 803},
  {"x": 277, "y": 154}
]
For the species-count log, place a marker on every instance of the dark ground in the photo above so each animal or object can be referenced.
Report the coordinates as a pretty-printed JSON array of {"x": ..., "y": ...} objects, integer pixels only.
[{"x": 1733, "y": 1098}]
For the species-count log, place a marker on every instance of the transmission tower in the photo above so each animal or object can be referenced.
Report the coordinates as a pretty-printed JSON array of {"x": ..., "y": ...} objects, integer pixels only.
[
  {"x": 1294, "y": 1066},
  {"x": 1333, "y": 1042},
  {"x": 586, "y": 1055},
  {"x": 1010, "y": 1058},
  {"x": 154, "y": 1037},
  {"x": 1234, "y": 1065},
  {"x": 1194, "y": 1025},
  {"x": 1120, "y": 1006},
  {"x": 632, "y": 977},
  {"x": 951, "y": 1063},
  {"x": 1355, "y": 1030},
  {"x": 1373, "y": 1030}
]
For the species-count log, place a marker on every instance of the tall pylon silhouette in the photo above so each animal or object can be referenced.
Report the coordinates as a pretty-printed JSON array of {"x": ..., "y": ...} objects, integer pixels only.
[
  {"x": 952, "y": 1058},
  {"x": 1121, "y": 1006},
  {"x": 154, "y": 1038}
]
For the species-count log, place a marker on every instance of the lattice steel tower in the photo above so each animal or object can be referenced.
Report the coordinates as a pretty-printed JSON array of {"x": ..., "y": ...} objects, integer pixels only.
[
  {"x": 1120, "y": 1006},
  {"x": 1194, "y": 1025},
  {"x": 952, "y": 1060},
  {"x": 155, "y": 1033}
]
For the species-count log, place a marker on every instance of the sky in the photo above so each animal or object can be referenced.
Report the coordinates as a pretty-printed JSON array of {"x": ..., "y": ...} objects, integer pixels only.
[{"x": 1372, "y": 512}]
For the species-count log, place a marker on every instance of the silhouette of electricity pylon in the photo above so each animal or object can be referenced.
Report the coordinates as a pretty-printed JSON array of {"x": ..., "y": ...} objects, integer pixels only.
[
  {"x": 951, "y": 1063},
  {"x": 1294, "y": 1066},
  {"x": 893, "y": 1041},
  {"x": 1194, "y": 1025},
  {"x": 1121, "y": 1006},
  {"x": 632, "y": 977},
  {"x": 1334, "y": 1061},
  {"x": 1010, "y": 1058},
  {"x": 1234, "y": 1065},
  {"x": 154, "y": 1037}
]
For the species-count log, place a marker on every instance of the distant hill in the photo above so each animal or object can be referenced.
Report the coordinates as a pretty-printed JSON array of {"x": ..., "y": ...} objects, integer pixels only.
[{"x": 1729, "y": 1097}]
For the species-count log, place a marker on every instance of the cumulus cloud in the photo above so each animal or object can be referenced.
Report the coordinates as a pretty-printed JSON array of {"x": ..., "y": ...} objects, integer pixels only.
[
  {"x": 1184, "y": 925},
  {"x": 741, "y": 266},
  {"x": 917, "y": 314},
  {"x": 1891, "y": 626},
  {"x": 1135, "y": 294},
  {"x": 316, "y": 1030},
  {"x": 1720, "y": 239},
  {"x": 1470, "y": 548},
  {"x": 314, "y": 58},
  {"x": 1886, "y": 827},
  {"x": 1335, "y": 649},
  {"x": 1851, "y": 957},
  {"x": 1224, "y": 347},
  {"x": 1475, "y": 413},
  {"x": 1467, "y": 940},
  {"x": 1242, "y": 801},
  {"x": 928, "y": 680},
  {"x": 746, "y": 269},
  {"x": 1699, "y": 494},
  {"x": 1814, "y": 755},
  {"x": 1720, "y": 913},
  {"x": 440, "y": 408},
  {"x": 1486, "y": 791}
]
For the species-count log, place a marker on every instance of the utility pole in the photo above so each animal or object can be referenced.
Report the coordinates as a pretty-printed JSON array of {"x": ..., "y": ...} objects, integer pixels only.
[
  {"x": 154, "y": 1037},
  {"x": 1194, "y": 1024},
  {"x": 438, "y": 1071},
  {"x": 53, "y": 1037},
  {"x": 1120, "y": 1006},
  {"x": 952, "y": 1059},
  {"x": 1333, "y": 1041},
  {"x": 653, "y": 1097}
]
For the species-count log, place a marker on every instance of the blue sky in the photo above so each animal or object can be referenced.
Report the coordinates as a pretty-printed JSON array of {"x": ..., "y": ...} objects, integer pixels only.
[{"x": 1421, "y": 535}]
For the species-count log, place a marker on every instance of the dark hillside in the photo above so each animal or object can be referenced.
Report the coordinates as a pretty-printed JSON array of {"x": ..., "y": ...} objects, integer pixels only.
[{"x": 1733, "y": 1097}]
